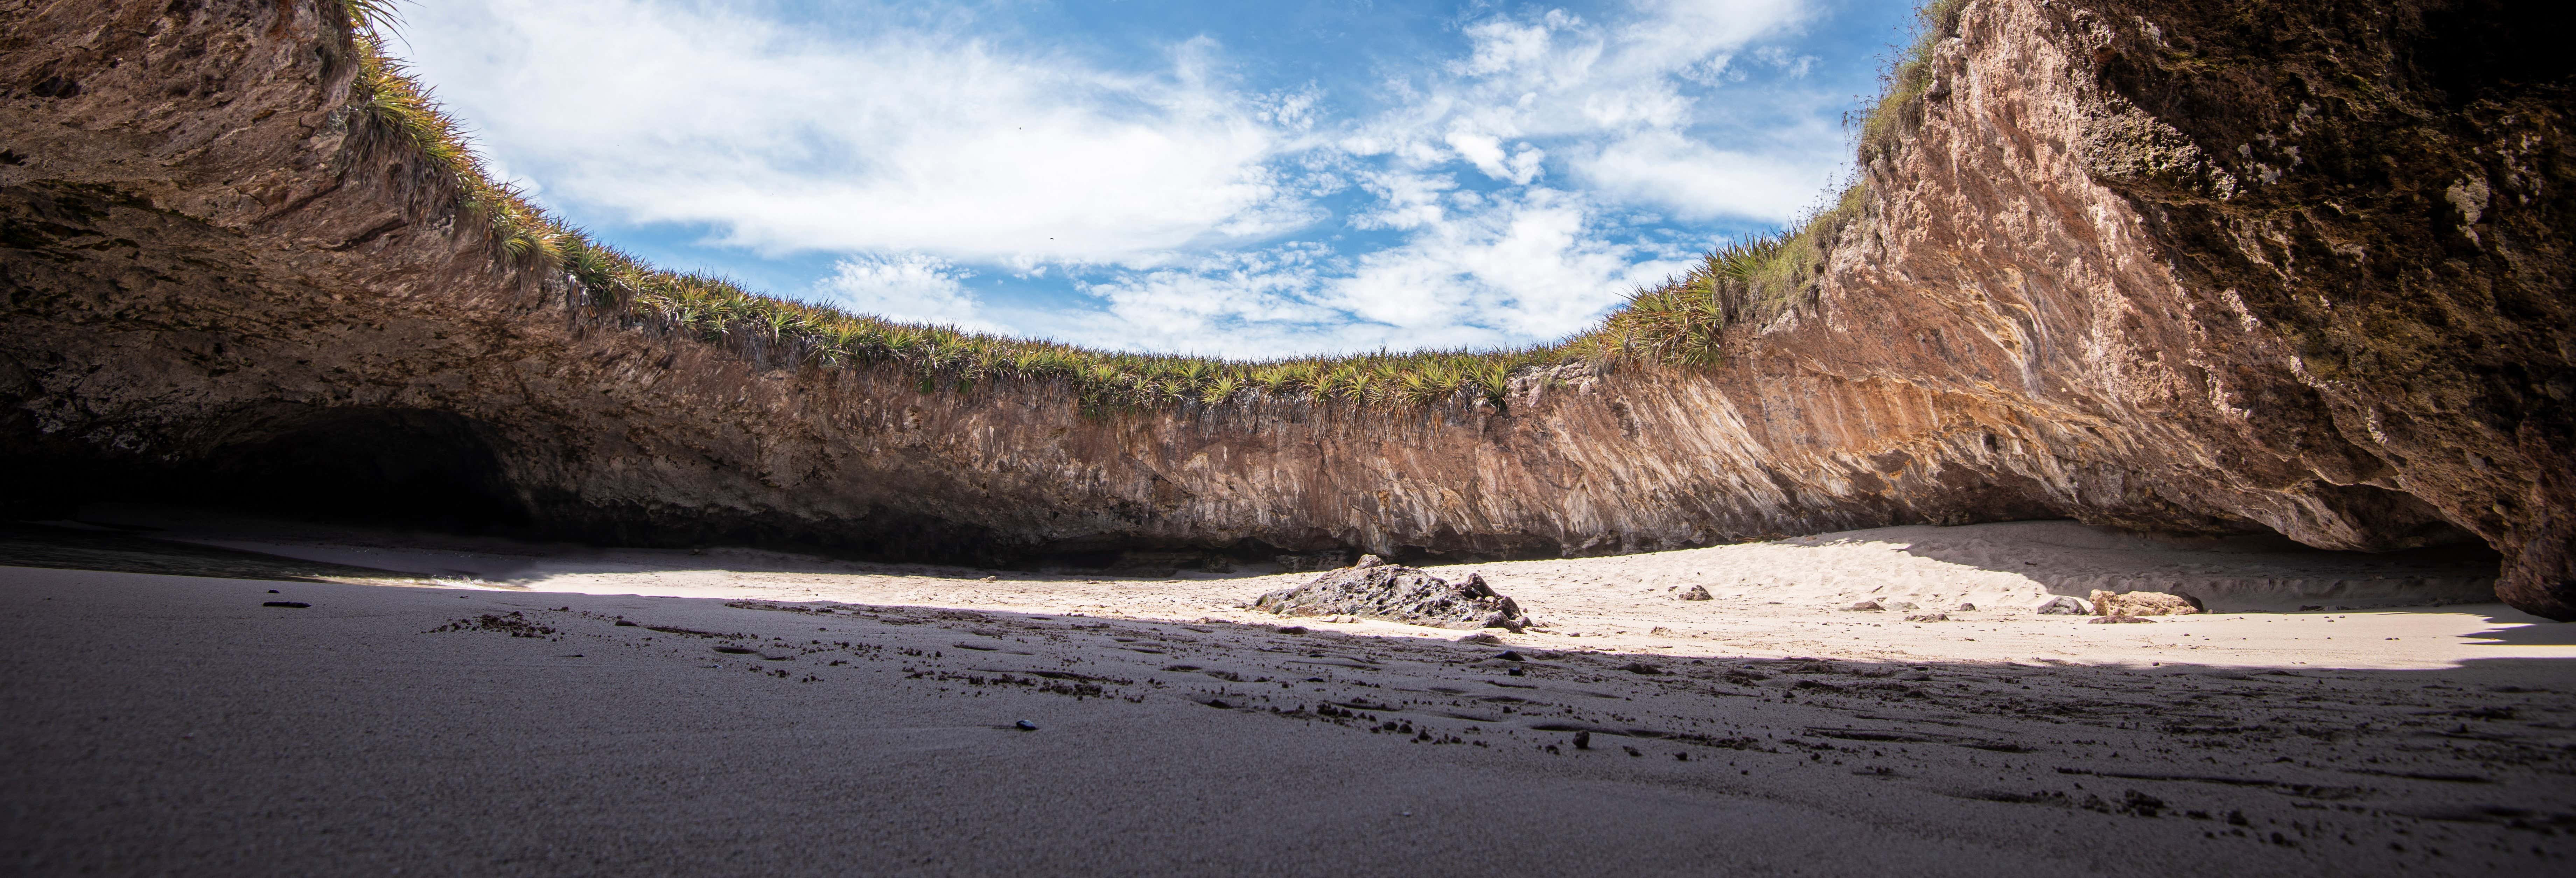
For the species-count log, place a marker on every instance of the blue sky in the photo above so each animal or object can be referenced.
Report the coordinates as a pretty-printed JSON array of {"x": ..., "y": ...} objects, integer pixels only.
[{"x": 1238, "y": 179}]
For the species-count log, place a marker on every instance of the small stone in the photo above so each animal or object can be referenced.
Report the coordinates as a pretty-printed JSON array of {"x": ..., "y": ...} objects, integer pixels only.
[
  {"x": 298, "y": 605},
  {"x": 272, "y": 591},
  {"x": 1965, "y": 608},
  {"x": 1632, "y": 751},
  {"x": 1481, "y": 637},
  {"x": 1929, "y": 617},
  {"x": 1864, "y": 607},
  {"x": 2114, "y": 620},
  {"x": 989, "y": 579},
  {"x": 2062, "y": 605},
  {"x": 1661, "y": 631},
  {"x": 1511, "y": 656},
  {"x": 621, "y": 623},
  {"x": 1291, "y": 629},
  {"x": 1025, "y": 726},
  {"x": 1583, "y": 740},
  {"x": 1641, "y": 668},
  {"x": 1695, "y": 593}
]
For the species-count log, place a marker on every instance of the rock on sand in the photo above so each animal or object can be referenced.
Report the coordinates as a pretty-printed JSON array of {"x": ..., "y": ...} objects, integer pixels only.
[
  {"x": 2142, "y": 603},
  {"x": 2062, "y": 605},
  {"x": 1376, "y": 589}
]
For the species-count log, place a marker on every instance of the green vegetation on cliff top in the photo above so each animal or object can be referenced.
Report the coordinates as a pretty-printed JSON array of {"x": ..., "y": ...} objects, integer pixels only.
[{"x": 1684, "y": 322}]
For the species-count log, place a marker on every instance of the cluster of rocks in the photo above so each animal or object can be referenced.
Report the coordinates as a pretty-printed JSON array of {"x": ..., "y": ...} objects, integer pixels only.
[
  {"x": 1375, "y": 589},
  {"x": 1311, "y": 561},
  {"x": 2126, "y": 606},
  {"x": 2062, "y": 605},
  {"x": 1876, "y": 606},
  {"x": 2143, "y": 603}
]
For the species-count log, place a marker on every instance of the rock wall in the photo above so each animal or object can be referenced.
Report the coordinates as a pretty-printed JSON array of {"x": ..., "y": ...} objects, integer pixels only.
[{"x": 2134, "y": 262}]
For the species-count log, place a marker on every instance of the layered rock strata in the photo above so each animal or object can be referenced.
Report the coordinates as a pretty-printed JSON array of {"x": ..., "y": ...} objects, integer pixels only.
[{"x": 2140, "y": 263}]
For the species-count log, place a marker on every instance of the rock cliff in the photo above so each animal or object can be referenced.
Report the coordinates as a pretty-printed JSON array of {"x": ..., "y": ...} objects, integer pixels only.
[{"x": 2300, "y": 267}]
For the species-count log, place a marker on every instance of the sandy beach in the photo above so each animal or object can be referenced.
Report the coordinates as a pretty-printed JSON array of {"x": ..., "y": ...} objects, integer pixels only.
[{"x": 520, "y": 709}]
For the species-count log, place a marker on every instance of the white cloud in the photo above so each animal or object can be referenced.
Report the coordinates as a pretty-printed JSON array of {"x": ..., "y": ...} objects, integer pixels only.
[
  {"x": 911, "y": 287},
  {"x": 1495, "y": 190},
  {"x": 1515, "y": 270},
  {"x": 898, "y": 141},
  {"x": 1692, "y": 180},
  {"x": 1614, "y": 100}
]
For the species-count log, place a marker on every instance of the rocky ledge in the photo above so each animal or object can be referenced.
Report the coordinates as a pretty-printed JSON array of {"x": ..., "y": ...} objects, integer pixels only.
[{"x": 2145, "y": 263}]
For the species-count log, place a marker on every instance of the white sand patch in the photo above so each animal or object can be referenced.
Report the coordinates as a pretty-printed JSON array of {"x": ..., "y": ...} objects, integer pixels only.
[{"x": 1771, "y": 599}]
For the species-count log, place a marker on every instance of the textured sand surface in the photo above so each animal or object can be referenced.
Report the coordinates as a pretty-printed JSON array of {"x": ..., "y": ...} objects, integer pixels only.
[{"x": 803, "y": 716}]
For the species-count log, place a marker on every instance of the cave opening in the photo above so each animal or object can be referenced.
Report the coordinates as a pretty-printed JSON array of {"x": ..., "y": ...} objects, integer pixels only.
[
  {"x": 2478, "y": 46},
  {"x": 377, "y": 465}
]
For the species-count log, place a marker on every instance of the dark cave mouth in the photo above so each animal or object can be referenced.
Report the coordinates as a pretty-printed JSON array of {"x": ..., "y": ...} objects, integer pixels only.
[
  {"x": 440, "y": 471},
  {"x": 372, "y": 465}
]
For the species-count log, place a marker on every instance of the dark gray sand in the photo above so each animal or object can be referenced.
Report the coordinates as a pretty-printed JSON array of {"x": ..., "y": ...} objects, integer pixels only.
[{"x": 174, "y": 725}]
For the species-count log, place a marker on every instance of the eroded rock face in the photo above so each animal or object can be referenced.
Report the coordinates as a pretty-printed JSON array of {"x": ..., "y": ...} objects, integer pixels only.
[
  {"x": 2137, "y": 263},
  {"x": 1393, "y": 592}
]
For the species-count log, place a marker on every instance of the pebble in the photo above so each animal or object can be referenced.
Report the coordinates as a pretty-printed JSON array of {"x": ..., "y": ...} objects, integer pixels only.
[{"x": 1025, "y": 726}]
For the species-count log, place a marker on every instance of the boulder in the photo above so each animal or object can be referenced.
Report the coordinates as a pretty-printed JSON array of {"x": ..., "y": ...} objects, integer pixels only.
[
  {"x": 2143, "y": 603},
  {"x": 2062, "y": 605},
  {"x": 1376, "y": 589}
]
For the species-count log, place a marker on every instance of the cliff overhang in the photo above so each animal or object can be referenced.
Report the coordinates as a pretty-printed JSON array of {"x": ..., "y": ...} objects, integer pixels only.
[{"x": 2134, "y": 262}]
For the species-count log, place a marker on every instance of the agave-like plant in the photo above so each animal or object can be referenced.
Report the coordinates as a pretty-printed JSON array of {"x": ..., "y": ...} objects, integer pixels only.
[
  {"x": 1221, "y": 388},
  {"x": 371, "y": 16}
]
